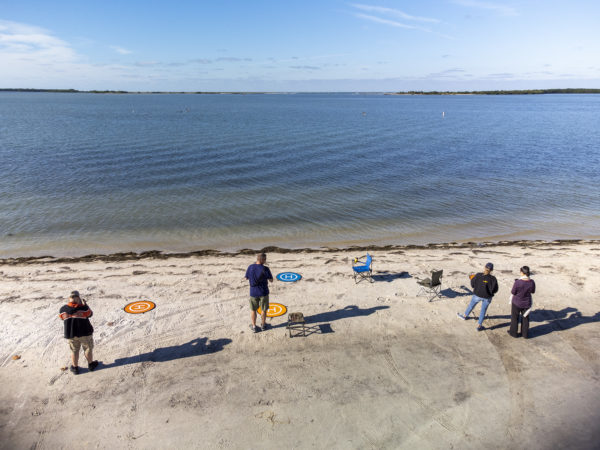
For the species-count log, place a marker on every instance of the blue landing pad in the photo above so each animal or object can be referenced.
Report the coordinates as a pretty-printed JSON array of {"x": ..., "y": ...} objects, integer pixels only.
[{"x": 289, "y": 277}]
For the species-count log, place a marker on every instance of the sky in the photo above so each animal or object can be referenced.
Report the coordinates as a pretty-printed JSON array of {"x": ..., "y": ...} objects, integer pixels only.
[{"x": 308, "y": 45}]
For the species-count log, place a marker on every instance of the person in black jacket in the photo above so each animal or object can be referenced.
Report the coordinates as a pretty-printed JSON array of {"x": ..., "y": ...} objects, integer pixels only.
[
  {"x": 78, "y": 330},
  {"x": 484, "y": 287}
]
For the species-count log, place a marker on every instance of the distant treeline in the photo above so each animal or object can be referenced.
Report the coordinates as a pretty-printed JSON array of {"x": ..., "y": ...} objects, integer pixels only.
[
  {"x": 75, "y": 91},
  {"x": 511, "y": 92}
]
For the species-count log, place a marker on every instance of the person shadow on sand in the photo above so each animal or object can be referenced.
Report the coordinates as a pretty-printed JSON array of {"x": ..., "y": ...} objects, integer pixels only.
[
  {"x": 563, "y": 319},
  {"x": 196, "y": 347},
  {"x": 319, "y": 323},
  {"x": 343, "y": 313}
]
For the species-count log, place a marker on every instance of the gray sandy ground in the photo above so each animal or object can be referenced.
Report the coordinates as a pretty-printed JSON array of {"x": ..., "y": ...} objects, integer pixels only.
[{"x": 381, "y": 367}]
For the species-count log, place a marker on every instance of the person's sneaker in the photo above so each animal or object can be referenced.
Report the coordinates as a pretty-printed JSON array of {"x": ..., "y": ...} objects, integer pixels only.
[
  {"x": 480, "y": 328},
  {"x": 254, "y": 329},
  {"x": 74, "y": 369},
  {"x": 461, "y": 316},
  {"x": 92, "y": 365},
  {"x": 264, "y": 327}
]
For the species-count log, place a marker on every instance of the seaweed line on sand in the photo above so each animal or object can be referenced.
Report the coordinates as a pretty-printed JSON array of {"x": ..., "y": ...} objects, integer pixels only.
[{"x": 158, "y": 254}]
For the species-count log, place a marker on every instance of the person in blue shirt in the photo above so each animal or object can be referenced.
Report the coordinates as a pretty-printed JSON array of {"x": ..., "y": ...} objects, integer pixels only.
[{"x": 259, "y": 277}]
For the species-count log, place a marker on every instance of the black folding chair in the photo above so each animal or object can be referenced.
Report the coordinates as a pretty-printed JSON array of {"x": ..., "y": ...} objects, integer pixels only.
[{"x": 431, "y": 287}]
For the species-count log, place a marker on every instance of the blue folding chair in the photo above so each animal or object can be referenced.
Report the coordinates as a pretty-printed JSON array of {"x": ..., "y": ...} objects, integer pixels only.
[{"x": 363, "y": 271}]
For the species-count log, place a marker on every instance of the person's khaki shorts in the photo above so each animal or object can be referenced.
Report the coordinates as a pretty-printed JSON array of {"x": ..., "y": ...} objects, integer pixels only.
[
  {"x": 77, "y": 342},
  {"x": 263, "y": 302}
]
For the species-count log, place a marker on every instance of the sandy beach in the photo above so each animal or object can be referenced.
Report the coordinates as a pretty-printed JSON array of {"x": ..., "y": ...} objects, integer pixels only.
[{"x": 381, "y": 368}]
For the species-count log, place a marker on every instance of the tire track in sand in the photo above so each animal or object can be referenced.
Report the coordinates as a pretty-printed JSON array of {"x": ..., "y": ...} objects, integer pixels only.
[
  {"x": 436, "y": 415},
  {"x": 520, "y": 400}
]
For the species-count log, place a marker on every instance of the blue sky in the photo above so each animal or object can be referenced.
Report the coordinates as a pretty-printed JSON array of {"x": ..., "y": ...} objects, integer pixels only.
[{"x": 288, "y": 45}]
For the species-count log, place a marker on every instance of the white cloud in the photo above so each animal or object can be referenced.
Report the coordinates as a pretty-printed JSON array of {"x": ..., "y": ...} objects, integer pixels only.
[
  {"x": 388, "y": 16},
  {"x": 387, "y": 21},
  {"x": 32, "y": 56},
  {"x": 393, "y": 12},
  {"x": 19, "y": 41},
  {"x": 146, "y": 63},
  {"x": 121, "y": 50},
  {"x": 454, "y": 73},
  {"x": 501, "y": 9},
  {"x": 305, "y": 67}
]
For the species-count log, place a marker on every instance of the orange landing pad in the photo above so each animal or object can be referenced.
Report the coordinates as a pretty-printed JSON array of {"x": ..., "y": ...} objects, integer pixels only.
[
  {"x": 275, "y": 310},
  {"x": 139, "y": 307}
]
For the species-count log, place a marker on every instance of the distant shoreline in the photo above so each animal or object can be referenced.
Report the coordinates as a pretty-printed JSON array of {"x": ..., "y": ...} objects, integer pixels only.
[
  {"x": 75, "y": 91},
  {"x": 496, "y": 92},
  {"x": 502, "y": 92}
]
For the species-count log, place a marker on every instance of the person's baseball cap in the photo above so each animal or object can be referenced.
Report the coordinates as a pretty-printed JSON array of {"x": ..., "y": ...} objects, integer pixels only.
[
  {"x": 74, "y": 293},
  {"x": 489, "y": 266}
]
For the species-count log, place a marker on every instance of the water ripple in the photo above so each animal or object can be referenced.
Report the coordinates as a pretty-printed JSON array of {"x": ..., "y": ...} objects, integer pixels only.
[{"x": 221, "y": 171}]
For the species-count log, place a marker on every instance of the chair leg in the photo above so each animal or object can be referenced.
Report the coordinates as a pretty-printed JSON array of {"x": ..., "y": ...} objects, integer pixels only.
[
  {"x": 435, "y": 293},
  {"x": 424, "y": 291},
  {"x": 361, "y": 276}
]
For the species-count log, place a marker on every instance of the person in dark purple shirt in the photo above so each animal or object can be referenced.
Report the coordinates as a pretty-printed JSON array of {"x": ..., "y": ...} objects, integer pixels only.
[
  {"x": 259, "y": 276},
  {"x": 521, "y": 303}
]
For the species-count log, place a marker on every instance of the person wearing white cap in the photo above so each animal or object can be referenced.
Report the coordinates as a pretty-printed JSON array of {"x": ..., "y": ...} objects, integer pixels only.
[{"x": 78, "y": 330}]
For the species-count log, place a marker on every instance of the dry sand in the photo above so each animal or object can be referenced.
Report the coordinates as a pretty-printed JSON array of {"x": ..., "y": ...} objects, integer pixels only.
[{"x": 386, "y": 369}]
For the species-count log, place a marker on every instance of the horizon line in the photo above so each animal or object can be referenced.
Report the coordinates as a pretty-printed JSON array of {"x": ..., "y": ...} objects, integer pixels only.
[{"x": 413, "y": 92}]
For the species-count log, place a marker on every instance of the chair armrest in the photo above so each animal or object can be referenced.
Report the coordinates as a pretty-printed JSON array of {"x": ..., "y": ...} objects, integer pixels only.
[{"x": 360, "y": 259}]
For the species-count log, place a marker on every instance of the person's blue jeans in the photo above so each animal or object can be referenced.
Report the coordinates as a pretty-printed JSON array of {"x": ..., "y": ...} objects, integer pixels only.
[{"x": 485, "y": 302}]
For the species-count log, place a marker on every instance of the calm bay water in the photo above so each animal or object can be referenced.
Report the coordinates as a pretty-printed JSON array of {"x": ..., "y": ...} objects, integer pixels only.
[{"x": 84, "y": 173}]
